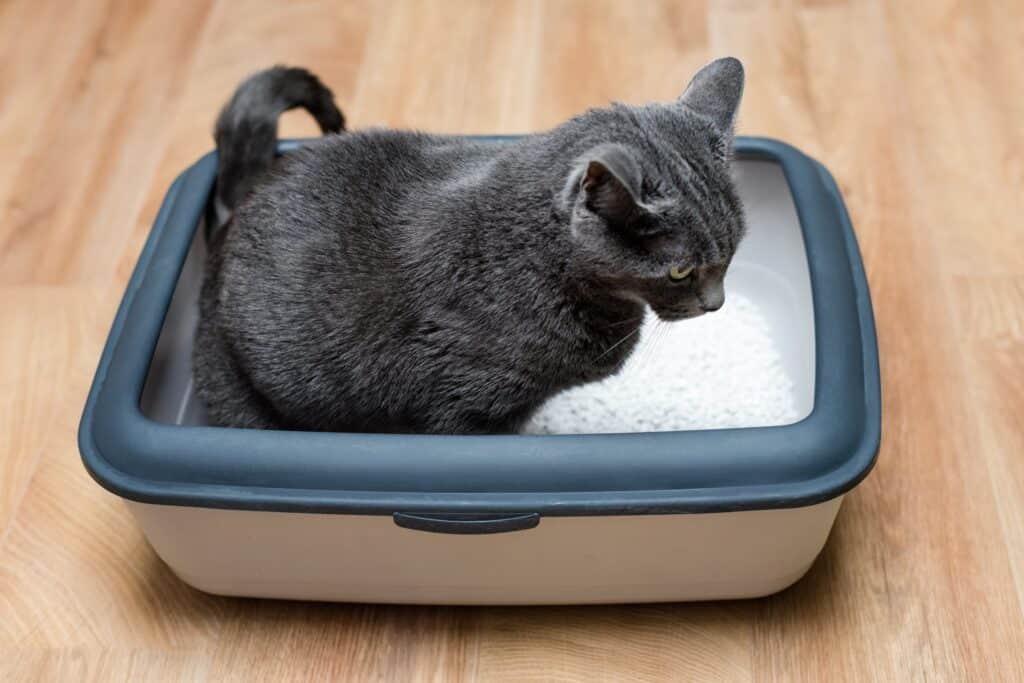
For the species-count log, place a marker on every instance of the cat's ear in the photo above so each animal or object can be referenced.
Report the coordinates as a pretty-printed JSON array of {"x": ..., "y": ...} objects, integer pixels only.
[
  {"x": 715, "y": 93},
  {"x": 610, "y": 183}
]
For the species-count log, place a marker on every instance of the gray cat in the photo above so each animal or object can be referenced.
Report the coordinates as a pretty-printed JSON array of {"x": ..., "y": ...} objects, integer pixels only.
[{"x": 393, "y": 281}]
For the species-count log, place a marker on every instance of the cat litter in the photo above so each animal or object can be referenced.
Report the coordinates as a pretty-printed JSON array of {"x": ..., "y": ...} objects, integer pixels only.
[{"x": 716, "y": 371}]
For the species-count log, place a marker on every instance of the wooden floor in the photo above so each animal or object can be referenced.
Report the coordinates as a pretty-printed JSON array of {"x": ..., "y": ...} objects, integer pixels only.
[{"x": 918, "y": 109}]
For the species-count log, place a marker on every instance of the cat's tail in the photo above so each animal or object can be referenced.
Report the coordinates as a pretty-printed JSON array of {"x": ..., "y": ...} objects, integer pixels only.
[{"x": 246, "y": 130}]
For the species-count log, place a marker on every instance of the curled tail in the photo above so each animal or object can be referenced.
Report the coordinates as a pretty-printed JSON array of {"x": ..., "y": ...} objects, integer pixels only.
[{"x": 246, "y": 130}]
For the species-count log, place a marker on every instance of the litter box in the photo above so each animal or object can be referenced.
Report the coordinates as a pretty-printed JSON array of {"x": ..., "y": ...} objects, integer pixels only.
[{"x": 502, "y": 519}]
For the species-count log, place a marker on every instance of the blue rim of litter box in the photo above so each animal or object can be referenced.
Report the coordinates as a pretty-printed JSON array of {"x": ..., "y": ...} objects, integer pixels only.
[{"x": 796, "y": 465}]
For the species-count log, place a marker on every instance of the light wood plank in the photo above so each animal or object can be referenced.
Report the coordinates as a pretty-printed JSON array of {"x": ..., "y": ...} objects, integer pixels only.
[
  {"x": 48, "y": 336},
  {"x": 77, "y": 188}
]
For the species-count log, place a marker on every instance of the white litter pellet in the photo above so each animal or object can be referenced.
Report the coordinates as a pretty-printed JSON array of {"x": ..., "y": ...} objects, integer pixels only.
[{"x": 718, "y": 370}]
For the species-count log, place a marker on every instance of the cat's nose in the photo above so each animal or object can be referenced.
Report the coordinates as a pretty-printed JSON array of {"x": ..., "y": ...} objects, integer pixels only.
[
  {"x": 711, "y": 296},
  {"x": 713, "y": 305}
]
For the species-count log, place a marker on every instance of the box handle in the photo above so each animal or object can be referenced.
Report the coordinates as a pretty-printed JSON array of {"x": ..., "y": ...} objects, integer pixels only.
[{"x": 466, "y": 523}]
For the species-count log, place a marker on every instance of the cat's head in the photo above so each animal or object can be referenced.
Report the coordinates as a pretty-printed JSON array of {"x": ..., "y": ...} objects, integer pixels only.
[{"x": 654, "y": 213}]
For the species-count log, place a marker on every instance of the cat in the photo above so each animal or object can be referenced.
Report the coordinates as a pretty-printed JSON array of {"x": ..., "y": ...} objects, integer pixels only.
[{"x": 394, "y": 281}]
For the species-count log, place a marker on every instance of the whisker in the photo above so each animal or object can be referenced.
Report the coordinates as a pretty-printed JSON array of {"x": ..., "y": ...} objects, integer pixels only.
[
  {"x": 644, "y": 347},
  {"x": 617, "y": 344},
  {"x": 661, "y": 333},
  {"x": 620, "y": 323},
  {"x": 653, "y": 342}
]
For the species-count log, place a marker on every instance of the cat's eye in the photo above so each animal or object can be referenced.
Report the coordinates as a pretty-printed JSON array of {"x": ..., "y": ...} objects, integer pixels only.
[{"x": 677, "y": 274}]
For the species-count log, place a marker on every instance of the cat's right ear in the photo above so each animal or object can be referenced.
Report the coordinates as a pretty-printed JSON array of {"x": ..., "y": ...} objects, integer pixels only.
[
  {"x": 610, "y": 184},
  {"x": 715, "y": 92}
]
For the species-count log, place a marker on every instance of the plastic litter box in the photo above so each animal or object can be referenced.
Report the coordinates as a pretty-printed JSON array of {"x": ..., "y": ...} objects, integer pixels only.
[{"x": 502, "y": 519}]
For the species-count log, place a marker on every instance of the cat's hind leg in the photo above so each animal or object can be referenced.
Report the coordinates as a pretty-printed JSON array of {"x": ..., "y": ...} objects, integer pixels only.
[{"x": 224, "y": 388}]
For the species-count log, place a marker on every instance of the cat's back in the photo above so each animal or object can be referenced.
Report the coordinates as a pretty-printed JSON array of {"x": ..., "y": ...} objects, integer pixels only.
[
  {"x": 364, "y": 193},
  {"x": 380, "y": 165}
]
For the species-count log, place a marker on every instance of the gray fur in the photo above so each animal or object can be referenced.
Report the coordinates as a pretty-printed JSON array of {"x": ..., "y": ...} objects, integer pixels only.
[
  {"x": 404, "y": 282},
  {"x": 246, "y": 130}
]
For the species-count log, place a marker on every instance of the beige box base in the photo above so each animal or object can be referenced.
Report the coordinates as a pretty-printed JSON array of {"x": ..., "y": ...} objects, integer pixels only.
[{"x": 564, "y": 560}]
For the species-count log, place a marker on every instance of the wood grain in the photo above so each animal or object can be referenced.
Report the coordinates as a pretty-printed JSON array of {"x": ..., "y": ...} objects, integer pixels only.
[{"x": 916, "y": 108}]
